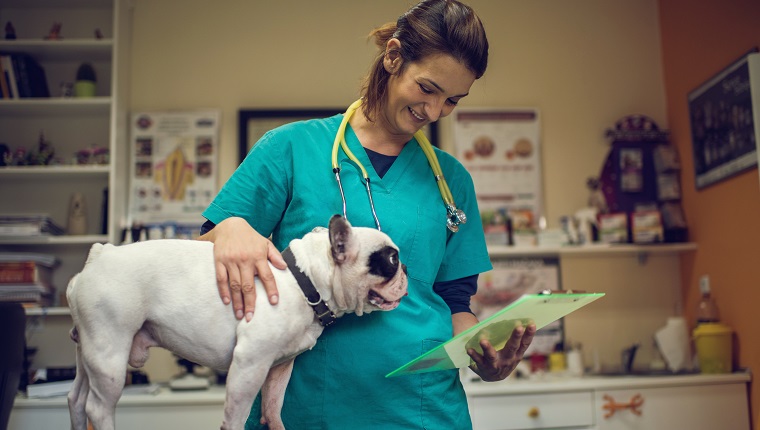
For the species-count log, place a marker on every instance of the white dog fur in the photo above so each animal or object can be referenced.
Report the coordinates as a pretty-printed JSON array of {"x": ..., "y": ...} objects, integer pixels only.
[{"x": 163, "y": 293}]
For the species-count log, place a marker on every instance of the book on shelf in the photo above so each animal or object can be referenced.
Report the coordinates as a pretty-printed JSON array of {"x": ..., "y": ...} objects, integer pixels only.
[
  {"x": 25, "y": 272},
  {"x": 47, "y": 260},
  {"x": 4, "y": 90},
  {"x": 51, "y": 381},
  {"x": 28, "y": 225},
  {"x": 39, "y": 295},
  {"x": 25, "y": 76},
  {"x": 49, "y": 389},
  {"x": 27, "y": 277},
  {"x": 30, "y": 76},
  {"x": 10, "y": 76}
]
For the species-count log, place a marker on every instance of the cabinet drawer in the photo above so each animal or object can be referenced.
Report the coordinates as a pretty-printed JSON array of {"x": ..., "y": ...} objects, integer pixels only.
[{"x": 532, "y": 411}]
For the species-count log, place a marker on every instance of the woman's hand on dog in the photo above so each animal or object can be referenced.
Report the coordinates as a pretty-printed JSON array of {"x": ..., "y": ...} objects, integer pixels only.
[{"x": 240, "y": 254}]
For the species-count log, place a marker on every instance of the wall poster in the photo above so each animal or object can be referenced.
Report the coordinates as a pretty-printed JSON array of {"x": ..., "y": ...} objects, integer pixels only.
[
  {"x": 723, "y": 130},
  {"x": 174, "y": 166},
  {"x": 500, "y": 148},
  {"x": 508, "y": 281}
]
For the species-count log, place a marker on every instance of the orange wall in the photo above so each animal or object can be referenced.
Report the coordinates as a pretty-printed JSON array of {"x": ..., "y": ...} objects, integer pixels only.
[{"x": 699, "y": 39}]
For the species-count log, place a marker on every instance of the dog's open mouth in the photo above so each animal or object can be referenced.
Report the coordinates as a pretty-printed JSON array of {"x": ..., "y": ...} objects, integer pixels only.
[{"x": 376, "y": 299}]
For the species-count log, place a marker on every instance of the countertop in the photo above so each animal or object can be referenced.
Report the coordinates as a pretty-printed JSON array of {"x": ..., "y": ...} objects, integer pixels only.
[{"x": 547, "y": 384}]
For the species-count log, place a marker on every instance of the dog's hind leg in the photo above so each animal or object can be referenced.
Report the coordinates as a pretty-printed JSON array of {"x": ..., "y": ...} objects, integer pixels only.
[
  {"x": 245, "y": 378},
  {"x": 273, "y": 394},
  {"x": 105, "y": 360},
  {"x": 78, "y": 395}
]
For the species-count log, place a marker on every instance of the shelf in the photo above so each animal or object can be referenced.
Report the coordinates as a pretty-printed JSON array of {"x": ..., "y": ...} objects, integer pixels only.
[
  {"x": 595, "y": 250},
  {"x": 54, "y": 240},
  {"x": 53, "y": 172},
  {"x": 40, "y": 311},
  {"x": 55, "y": 106},
  {"x": 68, "y": 49},
  {"x": 56, "y": 3}
]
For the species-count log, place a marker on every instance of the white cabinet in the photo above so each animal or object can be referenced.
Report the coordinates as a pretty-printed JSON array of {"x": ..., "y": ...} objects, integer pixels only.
[
  {"x": 722, "y": 406},
  {"x": 688, "y": 402},
  {"x": 68, "y": 124},
  {"x": 533, "y": 411},
  {"x": 188, "y": 410}
]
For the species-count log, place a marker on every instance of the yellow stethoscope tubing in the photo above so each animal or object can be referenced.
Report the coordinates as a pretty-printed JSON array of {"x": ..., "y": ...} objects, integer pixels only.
[{"x": 427, "y": 149}]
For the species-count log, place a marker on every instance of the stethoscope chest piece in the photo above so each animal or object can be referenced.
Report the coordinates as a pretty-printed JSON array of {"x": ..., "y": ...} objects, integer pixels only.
[{"x": 454, "y": 218}]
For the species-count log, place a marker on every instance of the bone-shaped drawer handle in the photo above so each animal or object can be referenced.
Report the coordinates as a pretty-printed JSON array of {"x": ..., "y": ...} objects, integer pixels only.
[{"x": 611, "y": 407}]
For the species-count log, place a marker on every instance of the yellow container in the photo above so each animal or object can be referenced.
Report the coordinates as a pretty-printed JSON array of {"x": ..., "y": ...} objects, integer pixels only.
[{"x": 714, "y": 345}]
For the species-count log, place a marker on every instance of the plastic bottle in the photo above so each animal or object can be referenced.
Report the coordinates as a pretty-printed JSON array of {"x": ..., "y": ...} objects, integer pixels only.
[{"x": 707, "y": 309}]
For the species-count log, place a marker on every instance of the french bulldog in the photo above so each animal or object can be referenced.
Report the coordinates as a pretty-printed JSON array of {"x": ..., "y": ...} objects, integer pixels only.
[{"x": 163, "y": 293}]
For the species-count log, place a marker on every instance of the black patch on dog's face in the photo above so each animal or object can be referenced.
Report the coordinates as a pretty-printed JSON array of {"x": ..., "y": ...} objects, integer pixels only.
[{"x": 384, "y": 263}]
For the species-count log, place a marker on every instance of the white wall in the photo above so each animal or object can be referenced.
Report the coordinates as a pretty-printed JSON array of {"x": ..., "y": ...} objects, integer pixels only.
[{"x": 583, "y": 63}]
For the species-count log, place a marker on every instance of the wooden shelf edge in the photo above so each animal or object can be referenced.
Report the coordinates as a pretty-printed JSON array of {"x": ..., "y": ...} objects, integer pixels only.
[
  {"x": 47, "y": 311},
  {"x": 55, "y": 240},
  {"x": 590, "y": 250}
]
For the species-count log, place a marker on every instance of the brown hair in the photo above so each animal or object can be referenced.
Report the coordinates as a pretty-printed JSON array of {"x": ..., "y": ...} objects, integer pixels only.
[{"x": 430, "y": 27}]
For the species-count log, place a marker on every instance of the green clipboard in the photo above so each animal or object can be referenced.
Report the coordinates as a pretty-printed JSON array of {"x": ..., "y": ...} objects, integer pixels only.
[{"x": 540, "y": 309}]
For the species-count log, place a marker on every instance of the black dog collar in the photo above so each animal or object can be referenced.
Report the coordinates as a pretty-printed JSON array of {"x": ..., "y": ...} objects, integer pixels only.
[{"x": 313, "y": 298}]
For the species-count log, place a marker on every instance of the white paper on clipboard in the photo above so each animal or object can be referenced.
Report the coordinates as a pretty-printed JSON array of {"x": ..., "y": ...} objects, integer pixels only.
[{"x": 539, "y": 309}]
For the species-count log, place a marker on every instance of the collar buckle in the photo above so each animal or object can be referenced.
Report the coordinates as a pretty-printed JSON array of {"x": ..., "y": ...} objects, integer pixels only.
[{"x": 323, "y": 313}]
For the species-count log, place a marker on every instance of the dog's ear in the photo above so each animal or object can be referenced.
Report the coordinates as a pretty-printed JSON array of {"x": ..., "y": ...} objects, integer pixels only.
[{"x": 340, "y": 235}]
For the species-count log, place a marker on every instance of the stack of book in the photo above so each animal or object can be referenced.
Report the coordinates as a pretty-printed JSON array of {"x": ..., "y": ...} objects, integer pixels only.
[
  {"x": 51, "y": 382},
  {"x": 21, "y": 76},
  {"x": 28, "y": 225},
  {"x": 27, "y": 278}
]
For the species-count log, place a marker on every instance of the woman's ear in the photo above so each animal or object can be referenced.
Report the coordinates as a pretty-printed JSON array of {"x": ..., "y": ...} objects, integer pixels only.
[{"x": 392, "y": 59}]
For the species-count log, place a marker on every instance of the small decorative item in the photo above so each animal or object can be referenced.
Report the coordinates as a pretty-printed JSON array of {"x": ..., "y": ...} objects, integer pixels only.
[
  {"x": 5, "y": 154},
  {"x": 596, "y": 197},
  {"x": 92, "y": 155},
  {"x": 45, "y": 151},
  {"x": 98, "y": 34},
  {"x": 85, "y": 82},
  {"x": 77, "y": 224},
  {"x": 100, "y": 155},
  {"x": 67, "y": 89},
  {"x": 82, "y": 156},
  {"x": 55, "y": 32},
  {"x": 10, "y": 32}
]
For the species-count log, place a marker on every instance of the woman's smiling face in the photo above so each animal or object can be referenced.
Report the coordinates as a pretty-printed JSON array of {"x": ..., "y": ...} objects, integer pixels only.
[{"x": 424, "y": 91}]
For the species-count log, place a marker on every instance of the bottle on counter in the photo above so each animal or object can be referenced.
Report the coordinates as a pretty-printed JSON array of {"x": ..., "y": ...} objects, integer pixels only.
[{"x": 707, "y": 309}]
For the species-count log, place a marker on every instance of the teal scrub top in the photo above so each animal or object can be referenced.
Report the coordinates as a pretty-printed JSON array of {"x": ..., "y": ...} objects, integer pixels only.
[{"x": 285, "y": 187}]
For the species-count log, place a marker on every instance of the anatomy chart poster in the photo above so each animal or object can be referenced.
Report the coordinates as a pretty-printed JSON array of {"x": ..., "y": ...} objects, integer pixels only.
[{"x": 173, "y": 165}]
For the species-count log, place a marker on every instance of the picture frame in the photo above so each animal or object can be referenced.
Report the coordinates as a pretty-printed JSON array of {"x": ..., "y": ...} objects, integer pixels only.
[
  {"x": 722, "y": 123},
  {"x": 253, "y": 123}
]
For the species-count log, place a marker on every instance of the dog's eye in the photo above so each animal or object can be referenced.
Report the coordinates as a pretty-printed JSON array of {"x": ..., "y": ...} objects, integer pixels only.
[{"x": 384, "y": 262}]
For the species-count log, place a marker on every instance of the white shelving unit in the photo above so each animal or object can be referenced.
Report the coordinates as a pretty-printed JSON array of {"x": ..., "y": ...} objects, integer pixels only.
[
  {"x": 69, "y": 124},
  {"x": 593, "y": 250}
]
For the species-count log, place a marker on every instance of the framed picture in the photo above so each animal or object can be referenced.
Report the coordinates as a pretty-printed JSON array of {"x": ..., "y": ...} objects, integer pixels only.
[
  {"x": 253, "y": 123},
  {"x": 722, "y": 123}
]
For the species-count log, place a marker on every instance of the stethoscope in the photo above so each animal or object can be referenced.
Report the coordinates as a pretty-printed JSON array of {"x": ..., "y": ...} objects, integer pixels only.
[{"x": 454, "y": 216}]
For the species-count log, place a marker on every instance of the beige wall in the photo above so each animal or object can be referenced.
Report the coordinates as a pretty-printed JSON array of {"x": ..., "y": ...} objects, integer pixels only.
[{"x": 583, "y": 63}]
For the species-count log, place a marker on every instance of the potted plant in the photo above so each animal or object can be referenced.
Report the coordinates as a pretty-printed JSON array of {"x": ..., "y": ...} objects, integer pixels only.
[{"x": 85, "y": 82}]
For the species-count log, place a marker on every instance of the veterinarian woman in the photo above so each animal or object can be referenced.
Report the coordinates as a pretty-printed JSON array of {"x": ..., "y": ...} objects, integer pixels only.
[{"x": 427, "y": 62}]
